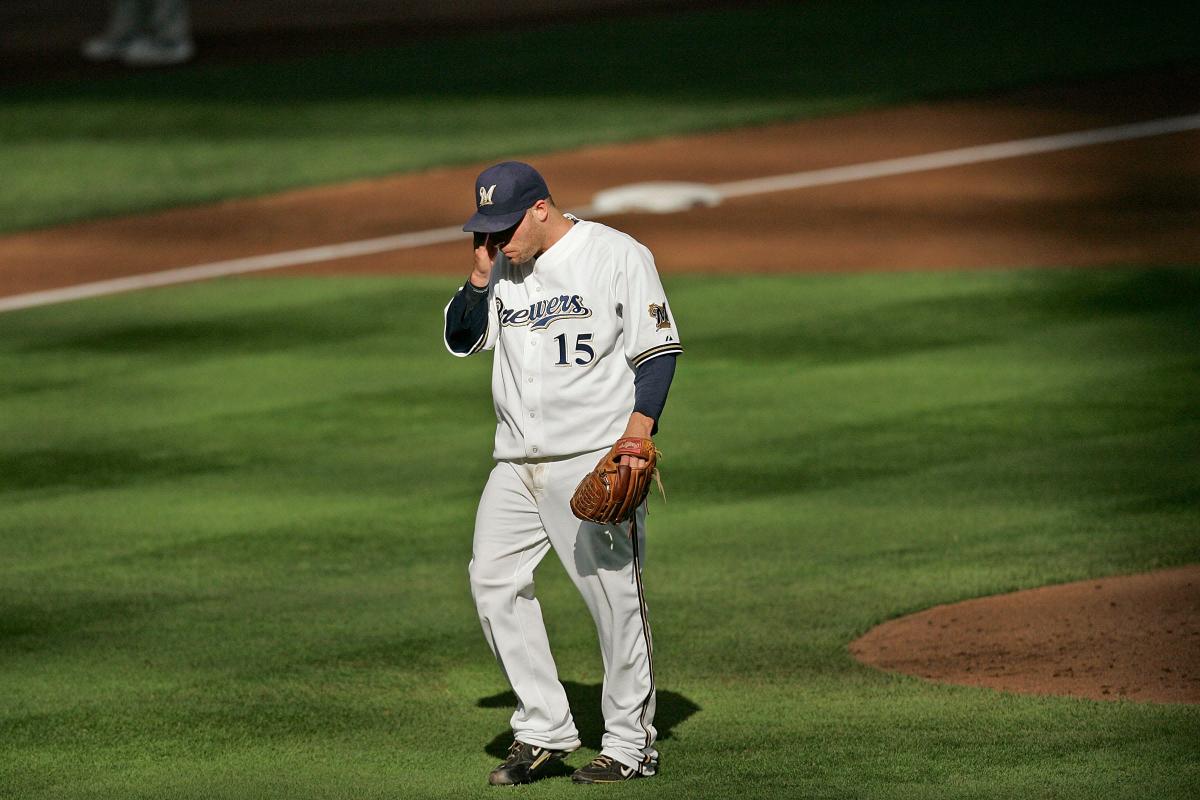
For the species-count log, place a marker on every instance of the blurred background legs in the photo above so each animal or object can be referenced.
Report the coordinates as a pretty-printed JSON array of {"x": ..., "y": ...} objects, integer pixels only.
[{"x": 144, "y": 33}]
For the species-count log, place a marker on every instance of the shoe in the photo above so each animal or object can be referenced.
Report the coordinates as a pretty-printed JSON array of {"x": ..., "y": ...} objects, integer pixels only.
[
  {"x": 147, "y": 52},
  {"x": 524, "y": 763},
  {"x": 604, "y": 769},
  {"x": 104, "y": 48}
]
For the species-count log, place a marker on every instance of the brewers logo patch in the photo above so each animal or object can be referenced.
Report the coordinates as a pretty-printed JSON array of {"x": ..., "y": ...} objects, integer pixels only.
[{"x": 659, "y": 314}]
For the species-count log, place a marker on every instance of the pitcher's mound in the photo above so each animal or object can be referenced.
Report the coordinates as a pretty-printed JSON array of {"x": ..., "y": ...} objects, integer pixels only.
[{"x": 1133, "y": 638}]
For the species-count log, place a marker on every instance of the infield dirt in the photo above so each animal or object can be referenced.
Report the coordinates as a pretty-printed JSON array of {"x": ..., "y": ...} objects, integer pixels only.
[
  {"x": 1134, "y": 637},
  {"x": 1132, "y": 202}
]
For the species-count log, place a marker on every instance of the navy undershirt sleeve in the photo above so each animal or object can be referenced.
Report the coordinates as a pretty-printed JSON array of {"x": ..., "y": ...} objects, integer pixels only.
[
  {"x": 651, "y": 382},
  {"x": 466, "y": 318}
]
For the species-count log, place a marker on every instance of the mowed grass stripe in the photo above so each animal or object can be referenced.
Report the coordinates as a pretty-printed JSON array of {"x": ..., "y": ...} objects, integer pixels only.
[{"x": 237, "y": 516}]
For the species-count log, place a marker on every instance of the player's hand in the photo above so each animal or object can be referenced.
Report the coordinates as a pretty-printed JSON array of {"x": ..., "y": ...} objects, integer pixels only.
[
  {"x": 485, "y": 254},
  {"x": 639, "y": 426},
  {"x": 633, "y": 462}
]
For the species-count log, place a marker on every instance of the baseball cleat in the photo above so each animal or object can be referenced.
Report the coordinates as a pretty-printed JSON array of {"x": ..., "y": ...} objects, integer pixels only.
[
  {"x": 604, "y": 769},
  {"x": 104, "y": 48},
  {"x": 524, "y": 764},
  {"x": 148, "y": 52}
]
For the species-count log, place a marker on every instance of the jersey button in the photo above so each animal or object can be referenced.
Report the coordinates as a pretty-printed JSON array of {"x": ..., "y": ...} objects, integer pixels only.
[
  {"x": 534, "y": 449},
  {"x": 532, "y": 414},
  {"x": 529, "y": 379}
]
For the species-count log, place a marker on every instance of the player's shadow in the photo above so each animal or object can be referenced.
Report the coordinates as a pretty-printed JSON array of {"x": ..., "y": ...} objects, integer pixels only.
[{"x": 673, "y": 708}]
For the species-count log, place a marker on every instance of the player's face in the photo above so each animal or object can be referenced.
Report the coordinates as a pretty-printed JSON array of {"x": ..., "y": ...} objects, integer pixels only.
[
  {"x": 520, "y": 242},
  {"x": 501, "y": 238}
]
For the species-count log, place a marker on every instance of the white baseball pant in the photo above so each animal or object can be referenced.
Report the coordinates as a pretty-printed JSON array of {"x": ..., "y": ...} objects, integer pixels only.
[{"x": 523, "y": 512}]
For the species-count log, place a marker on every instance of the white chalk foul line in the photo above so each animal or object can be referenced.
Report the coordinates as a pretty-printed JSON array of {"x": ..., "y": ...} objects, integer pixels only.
[
  {"x": 776, "y": 183},
  {"x": 959, "y": 157},
  {"x": 237, "y": 266}
]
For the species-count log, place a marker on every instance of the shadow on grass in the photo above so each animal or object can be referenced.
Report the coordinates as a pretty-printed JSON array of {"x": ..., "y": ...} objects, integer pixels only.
[
  {"x": 49, "y": 624},
  {"x": 338, "y": 322},
  {"x": 672, "y": 709}
]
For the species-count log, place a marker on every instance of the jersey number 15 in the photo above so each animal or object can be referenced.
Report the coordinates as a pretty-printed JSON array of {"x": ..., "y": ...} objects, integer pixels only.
[{"x": 583, "y": 351}]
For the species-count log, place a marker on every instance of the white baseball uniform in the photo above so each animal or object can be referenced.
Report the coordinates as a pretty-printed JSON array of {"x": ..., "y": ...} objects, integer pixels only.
[{"x": 568, "y": 329}]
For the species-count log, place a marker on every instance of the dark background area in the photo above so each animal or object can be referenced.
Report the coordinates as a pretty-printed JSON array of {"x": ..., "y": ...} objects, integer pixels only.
[{"x": 40, "y": 39}]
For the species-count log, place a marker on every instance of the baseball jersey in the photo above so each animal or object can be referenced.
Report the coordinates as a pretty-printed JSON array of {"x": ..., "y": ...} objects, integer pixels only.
[{"x": 569, "y": 329}]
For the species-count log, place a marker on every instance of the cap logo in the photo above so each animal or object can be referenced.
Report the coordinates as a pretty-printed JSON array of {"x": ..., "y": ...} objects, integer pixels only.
[{"x": 485, "y": 195}]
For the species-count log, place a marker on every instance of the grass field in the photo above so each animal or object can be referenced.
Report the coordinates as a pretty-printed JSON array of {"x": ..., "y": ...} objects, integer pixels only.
[
  {"x": 236, "y": 518},
  {"x": 79, "y": 150}
]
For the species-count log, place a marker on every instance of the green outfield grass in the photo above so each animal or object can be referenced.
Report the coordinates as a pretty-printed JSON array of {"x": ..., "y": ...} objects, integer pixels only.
[
  {"x": 81, "y": 150},
  {"x": 236, "y": 519}
]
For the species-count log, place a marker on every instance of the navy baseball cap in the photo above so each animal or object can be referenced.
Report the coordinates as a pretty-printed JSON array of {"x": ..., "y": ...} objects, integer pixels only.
[{"x": 503, "y": 193}]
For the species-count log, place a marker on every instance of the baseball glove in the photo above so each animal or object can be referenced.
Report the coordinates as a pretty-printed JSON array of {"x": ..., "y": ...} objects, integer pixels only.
[{"x": 612, "y": 491}]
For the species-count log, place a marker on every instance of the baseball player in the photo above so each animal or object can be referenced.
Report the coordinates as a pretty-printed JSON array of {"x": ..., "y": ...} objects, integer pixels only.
[{"x": 584, "y": 353}]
